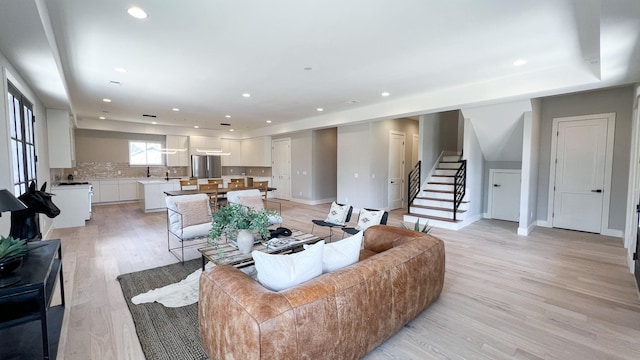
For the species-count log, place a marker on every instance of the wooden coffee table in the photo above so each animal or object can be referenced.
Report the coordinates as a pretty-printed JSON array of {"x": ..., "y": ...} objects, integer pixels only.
[{"x": 226, "y": 253}]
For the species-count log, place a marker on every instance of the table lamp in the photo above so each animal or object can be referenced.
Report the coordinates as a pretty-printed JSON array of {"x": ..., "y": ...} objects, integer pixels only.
[{"x": 8, "y": 202}]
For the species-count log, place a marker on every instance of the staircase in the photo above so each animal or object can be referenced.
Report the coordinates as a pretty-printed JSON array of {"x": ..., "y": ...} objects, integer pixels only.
[{"x": 435, "y": 202}]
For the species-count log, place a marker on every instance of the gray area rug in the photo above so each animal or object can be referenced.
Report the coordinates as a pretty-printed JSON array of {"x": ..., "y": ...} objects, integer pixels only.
[{"x": 164, "y": 333}]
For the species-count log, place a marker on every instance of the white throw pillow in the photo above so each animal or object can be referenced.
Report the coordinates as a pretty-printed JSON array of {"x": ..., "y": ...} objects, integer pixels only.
[
  {"x": 341, "y": 253},
  {"x": 337, "y": 214},
  {"x": 368, "y": 218},
  {"x": 279, "y": 272}
]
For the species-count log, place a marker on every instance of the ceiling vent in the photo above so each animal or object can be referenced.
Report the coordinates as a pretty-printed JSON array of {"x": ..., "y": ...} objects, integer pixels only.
[
  {"x": 225, "y": 124},
  {"x": 149, "y": 116},
  {"x": 115, "y": 83}
]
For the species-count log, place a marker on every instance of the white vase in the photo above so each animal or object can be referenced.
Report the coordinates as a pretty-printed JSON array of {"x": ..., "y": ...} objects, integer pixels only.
[{"x": 245, "y": 241}]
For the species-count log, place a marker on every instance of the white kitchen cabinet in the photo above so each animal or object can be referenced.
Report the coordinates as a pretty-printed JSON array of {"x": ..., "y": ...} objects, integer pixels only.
[
  {"x": 256, "y": 151},
  {"x": 203, "y": 143},
  {"x": 61, "y": 139},
  {"x": 109, "y": 190},
  {"x": 127, "y": 189},
  {"x": 180, "y": 158},
  {"x": 234, "y": 148}
]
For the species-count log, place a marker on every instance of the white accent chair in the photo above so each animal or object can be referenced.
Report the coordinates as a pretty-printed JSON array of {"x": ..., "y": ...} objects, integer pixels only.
[
  {"x": 252, "y": 198},
  {"x": 188, "y": 218}
]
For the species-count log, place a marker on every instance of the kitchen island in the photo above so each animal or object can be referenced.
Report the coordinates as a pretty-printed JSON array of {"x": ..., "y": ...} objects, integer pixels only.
[{"x": 152, "y": 193}]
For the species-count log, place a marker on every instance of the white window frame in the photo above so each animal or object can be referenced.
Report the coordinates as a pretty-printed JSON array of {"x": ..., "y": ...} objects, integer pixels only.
[{"x": 146, "y": 163}]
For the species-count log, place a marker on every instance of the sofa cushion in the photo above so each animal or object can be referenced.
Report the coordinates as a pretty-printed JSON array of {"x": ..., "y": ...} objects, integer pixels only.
[
  {"x": 369, "y": 218},
  {"x": 337, "y": 214},
  {"x": 252, "y": 201},
  {"x": 341, "y": 253},
  {"x": 194, "y": 212},
  {"x": 279, "y": 272}
]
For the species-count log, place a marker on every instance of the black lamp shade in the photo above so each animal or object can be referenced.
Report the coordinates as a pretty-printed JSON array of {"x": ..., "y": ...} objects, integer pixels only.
[{"x": 8, "y": 202}]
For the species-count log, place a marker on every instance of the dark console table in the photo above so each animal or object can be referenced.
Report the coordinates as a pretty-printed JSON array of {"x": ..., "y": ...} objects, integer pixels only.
[{"x": 29, "y": 326}]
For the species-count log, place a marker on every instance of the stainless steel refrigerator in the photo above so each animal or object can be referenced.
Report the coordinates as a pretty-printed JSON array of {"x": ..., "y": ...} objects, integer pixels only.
[{"x": 206, "y": 166}]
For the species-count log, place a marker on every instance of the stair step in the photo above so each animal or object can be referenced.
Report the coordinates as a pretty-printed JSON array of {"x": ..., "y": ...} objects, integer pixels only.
[
  {"x": 439, "y": 183},
  {"x": 438, "y": 191},
  {"x": 435, "y": 218},
  {"x": 460, "y": 211},
  {"x": 436, "y": 199}
]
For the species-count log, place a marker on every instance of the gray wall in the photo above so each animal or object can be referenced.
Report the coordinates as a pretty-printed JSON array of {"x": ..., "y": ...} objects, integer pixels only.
[
  {"x": 313, "y": 164},
  {"x": 325, "y": 167},
  {"x": 107, "y": 146},
  {"x": 618, "y": 100},
  {"x": 439, "y": 132}
]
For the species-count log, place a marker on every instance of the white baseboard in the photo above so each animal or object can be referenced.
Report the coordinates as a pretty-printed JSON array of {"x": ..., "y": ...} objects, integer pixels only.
[
  {"x": 612, "y": 232},
  {"x": 312, "y": 202},
  {"x": 486, "y": 216},
  {"x": 630, "y": 262},
  {"x": 543, "y": 223},
  {"x": 526, "y": 231}
]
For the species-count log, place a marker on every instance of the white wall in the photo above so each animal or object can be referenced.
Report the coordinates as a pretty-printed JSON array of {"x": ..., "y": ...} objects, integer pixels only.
[
  {"x": 475, "y": 170},
  {"x": 363, "y": 161},
  {"x": 6, "y": 168},
  {"x": 499, "y": 129},
  {"x": 530, "y": 153}
]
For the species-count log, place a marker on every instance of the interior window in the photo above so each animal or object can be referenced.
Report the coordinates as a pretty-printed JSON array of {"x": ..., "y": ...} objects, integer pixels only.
[
  {"x": 145, "y": 153},
  {"x": 23, "y": 147}
]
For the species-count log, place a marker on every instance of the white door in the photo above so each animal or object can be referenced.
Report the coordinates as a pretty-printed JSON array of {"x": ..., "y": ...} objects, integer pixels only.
[
  {"x": 580, "y": 174},
  {"x": 504, "y": 194},
  {"x": 281, "y": 168},
  {"x": 396, "y": 170}
]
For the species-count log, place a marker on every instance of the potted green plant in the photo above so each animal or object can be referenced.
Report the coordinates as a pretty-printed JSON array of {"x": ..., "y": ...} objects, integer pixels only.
[
  {"x": 230, "y": 219},
  {"x": 416, "y": 227},
  {"x": 11, "y": 253}
]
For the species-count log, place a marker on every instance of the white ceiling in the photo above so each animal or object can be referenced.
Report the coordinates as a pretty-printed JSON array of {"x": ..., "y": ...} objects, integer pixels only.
[{"x": 201, "y": 55}]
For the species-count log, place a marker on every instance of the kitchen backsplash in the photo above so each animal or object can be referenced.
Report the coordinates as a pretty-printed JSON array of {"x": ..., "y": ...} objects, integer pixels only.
[{"x": 111, "y": 170}]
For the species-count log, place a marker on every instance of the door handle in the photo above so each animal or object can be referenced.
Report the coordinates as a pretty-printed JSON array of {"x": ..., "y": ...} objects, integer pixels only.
[
  {"x": 496, "y": 185},
  {"x": 597, "y": 191}
]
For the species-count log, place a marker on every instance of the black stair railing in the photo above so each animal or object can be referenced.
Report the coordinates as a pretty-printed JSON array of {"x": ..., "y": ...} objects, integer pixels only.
[
  {"x": 413, "y": 179},
  {"x": 459, "y": 187}
]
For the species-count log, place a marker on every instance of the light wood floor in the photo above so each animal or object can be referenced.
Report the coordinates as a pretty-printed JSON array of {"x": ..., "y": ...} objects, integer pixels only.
[{"x": 555, "y": 294}]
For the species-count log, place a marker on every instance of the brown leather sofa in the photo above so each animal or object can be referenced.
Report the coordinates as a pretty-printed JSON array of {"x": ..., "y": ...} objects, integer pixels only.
[{"x": 339, "y": 315}]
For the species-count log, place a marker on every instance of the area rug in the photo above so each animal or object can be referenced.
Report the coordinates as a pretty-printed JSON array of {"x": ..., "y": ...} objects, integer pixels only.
[{"x": 164, "y": 333}]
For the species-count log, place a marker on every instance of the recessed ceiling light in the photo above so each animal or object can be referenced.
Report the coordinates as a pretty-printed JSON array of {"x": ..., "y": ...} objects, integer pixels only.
[
  {"x": 385, "y": 94},
  {"x": 519, "y": 62},
  {"x": 137, "y": 12},
  {"x": 106, "y": 100},
  {"x": 175, "y": 109},
  {"x": 268, "y": 121},
  {"x": 101, "y": 117},
  {"x": 120, "y": 70},
  {"x": 247, "y": 95},
  {"x": 230, "y": 129},
  {"x": 228, "y": 116},
  {"x": 154, "y": 123},
  {"x": 196, "y": 127},
  {"x": 320, "y": 109}
]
